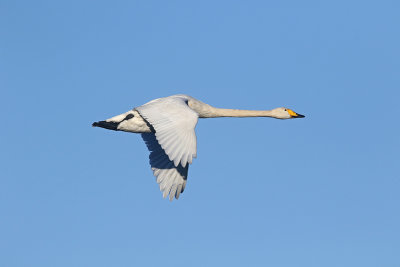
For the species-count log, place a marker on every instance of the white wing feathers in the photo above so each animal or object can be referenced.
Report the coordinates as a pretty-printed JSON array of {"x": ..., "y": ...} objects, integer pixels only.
[
  {"x": 171, "y": 178},
  {"x": 174, "y": 122}
]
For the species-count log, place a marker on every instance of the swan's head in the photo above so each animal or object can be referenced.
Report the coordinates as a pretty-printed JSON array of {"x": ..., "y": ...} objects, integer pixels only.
[{"x": 285, "y": 113}]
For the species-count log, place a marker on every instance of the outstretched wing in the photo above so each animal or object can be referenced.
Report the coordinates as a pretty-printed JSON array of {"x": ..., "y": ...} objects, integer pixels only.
[
  {"x": 171, "y": 178},
  {"x": 174, "y": 122}
]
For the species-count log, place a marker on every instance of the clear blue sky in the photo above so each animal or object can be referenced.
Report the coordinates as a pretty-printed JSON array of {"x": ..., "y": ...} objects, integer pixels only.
[{"x": 319, "y": 191}]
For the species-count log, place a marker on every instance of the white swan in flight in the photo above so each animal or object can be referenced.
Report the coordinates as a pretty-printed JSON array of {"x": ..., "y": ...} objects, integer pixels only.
[{"x": 167, "y": 127}]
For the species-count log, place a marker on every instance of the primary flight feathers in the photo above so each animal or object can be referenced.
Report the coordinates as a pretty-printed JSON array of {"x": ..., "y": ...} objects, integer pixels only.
[{"x": 167, "y": 126}]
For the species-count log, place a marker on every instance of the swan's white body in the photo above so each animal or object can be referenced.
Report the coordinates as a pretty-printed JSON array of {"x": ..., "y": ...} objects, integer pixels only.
[{"x": 168, "y": 126}]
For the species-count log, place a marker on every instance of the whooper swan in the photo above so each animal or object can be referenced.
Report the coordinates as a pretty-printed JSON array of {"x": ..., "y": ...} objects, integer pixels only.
[{"x": 167, "y": 127}]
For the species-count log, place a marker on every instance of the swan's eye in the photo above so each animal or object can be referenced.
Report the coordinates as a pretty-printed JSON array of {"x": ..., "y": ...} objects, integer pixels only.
[{"x": 285, "y": 109}]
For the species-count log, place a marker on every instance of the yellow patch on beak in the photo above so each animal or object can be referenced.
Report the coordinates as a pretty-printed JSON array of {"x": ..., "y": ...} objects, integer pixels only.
[{"x": 292, "y": 113}]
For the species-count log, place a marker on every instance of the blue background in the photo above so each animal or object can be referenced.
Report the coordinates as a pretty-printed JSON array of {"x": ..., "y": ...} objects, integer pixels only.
[{"x": 319, "y": 191}]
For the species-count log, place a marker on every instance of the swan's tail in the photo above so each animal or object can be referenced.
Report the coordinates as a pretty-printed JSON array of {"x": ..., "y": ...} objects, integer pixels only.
[{"x": 110, "y": 125}]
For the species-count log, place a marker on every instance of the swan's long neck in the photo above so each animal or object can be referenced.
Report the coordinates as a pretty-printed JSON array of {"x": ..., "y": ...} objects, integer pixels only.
[
  {"x": 207, "y": 111},
  {"x": 240, "y": 113}
]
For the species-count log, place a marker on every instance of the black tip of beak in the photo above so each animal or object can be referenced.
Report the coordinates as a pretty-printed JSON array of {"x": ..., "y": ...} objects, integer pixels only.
[
  {"x": 106, "y": 125},
  {"x": 299, "y": 116}
]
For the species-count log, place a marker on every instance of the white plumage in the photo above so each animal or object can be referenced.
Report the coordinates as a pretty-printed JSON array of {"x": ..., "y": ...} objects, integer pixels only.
[
  {"x": 168, "y": 126},
  {"x": 174, "y": 122},
  {"x": 170, "y": 177}
]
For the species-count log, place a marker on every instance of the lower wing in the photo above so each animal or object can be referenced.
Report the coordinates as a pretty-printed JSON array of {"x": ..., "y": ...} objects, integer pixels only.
[{"x": 172, "y": 179}]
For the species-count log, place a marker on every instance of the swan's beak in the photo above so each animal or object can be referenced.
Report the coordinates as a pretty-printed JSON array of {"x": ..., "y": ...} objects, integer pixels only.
[
  {"x": 298, "y": 116},
  {"x": 294, "y": 114}
]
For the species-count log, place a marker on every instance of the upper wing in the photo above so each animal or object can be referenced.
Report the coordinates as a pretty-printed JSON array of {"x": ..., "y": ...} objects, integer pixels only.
[
  {"x": 172, "y": 180},
  {"x": 174, "y": 122}
]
